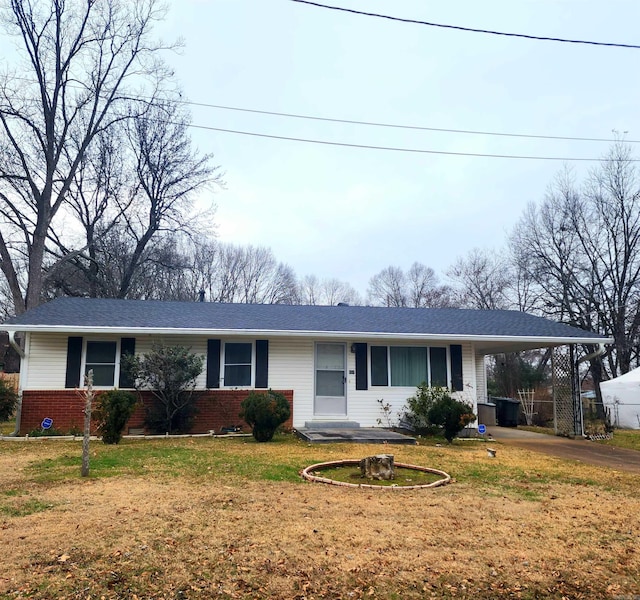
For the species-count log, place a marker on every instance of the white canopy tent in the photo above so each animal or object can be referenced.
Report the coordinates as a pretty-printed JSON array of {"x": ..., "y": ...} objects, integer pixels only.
[{"x": 622, "y": 397}]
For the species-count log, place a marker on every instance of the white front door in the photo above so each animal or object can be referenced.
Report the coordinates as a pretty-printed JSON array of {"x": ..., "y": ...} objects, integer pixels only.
[{"x": 330, "y": 380}]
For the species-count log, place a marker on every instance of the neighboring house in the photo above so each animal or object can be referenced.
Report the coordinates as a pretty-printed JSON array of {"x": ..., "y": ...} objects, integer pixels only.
[{"x": 332, "y": 362}]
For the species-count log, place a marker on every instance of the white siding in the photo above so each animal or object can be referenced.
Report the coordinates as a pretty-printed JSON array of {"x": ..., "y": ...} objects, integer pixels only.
[
  {"x": 481, "y": 377},
  {"x": 47, "y": 356},
  {"x": 47, "y": 362},
  {"x": 291, "y": 366},
  {"x": 291, "y": 362}
]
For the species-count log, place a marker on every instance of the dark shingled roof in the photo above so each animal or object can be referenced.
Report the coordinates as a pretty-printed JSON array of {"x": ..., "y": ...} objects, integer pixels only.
[{"x": 151, "y": 314}]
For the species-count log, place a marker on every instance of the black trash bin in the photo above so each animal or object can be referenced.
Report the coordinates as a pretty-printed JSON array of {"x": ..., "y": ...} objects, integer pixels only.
[{"x": 507, "y": 411}]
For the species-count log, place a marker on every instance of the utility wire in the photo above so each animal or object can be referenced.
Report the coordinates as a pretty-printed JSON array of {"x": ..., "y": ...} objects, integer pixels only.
[
  {"x": 386, "y": 125},
  {"x": 400, "y": 126},
  {"x": 468, "y": 29},
  {"x": 399, "y": 149}
]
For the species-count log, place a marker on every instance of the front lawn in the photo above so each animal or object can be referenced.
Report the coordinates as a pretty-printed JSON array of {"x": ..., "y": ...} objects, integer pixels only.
[
  {"x": 625, "y": 438},
  {"x": 231, "y": 518}
]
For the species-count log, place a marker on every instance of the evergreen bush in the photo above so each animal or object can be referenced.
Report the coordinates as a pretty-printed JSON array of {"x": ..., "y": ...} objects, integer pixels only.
[
  {"x": 451, "y": 415},
  {"x": 264, "y": 412},
  {"x": 418, "y": 406},
  {"x": 432, "y": 409},
  {"x": 8, "y": 400},
  {"x": 113, "y": 409},
  {"x": 170, "y": 373}
]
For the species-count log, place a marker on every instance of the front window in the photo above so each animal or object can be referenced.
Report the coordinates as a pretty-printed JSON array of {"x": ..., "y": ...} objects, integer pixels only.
[
  {"x": 409, "y": 366},
  {"x": 237, "y": 364},
  {"x": 101, "y": 358}
]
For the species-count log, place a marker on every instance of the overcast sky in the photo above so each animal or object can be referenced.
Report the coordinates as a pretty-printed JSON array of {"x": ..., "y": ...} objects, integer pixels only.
[{"x": 347, "y": 212}]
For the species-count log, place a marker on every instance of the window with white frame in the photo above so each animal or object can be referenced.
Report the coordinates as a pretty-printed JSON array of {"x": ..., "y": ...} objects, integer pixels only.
[
  {"x": 409, "y": 366},
  {"x": 102, "y": 358},
  {"x": 238, "y": 364}
]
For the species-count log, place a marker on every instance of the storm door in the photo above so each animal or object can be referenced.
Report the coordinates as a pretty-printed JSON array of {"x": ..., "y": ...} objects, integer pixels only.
[{"x": 330, "y": 380}]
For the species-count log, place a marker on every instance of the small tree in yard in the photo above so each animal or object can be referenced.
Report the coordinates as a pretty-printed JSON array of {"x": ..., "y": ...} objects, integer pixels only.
[
  {"x": 89, "y": 394},
  {"x": 8, "y": 400},
  {"x": 114, "y": 408},
  {"x": 264, "y": 412},
  {"x": 170, "y": 374}
]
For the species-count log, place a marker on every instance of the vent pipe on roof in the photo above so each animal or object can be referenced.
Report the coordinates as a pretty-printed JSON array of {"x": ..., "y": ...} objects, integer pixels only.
[{"x": 201, "y": 296}]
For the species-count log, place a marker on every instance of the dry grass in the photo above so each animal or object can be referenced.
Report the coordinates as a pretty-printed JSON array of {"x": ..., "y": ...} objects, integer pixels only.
[
  {"x": 625, "y": 438},
  {"x": 206, "y": 518}
]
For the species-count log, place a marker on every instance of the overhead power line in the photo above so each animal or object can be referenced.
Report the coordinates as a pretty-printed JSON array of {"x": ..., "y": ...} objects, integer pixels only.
[
  {"x": 469, "y": 29},
  {"x": 382, "y": 124},
  {"x": 412, "y": 127},
  {"x": 399, "y": 149}
]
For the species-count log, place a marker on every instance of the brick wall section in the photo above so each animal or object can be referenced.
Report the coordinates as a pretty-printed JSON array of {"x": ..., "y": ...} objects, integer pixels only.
[
  {"x": 63, "y": 406},
  {"x": 216, "y": 409}
]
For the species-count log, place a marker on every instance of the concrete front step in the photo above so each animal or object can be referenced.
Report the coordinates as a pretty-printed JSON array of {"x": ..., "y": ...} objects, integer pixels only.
[
  {"x": 331, "y": 425},
  {"x": 359, "y": 435}
]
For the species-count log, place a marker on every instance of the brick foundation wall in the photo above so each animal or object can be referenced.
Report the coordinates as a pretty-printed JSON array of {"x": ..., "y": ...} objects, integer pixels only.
[{"x": 215, "y": 409}]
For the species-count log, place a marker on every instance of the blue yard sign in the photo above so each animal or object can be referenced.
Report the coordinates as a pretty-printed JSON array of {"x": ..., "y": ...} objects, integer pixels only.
[
  {"x": 46, "y": 423},
  {"x": 482, "y": 429}
]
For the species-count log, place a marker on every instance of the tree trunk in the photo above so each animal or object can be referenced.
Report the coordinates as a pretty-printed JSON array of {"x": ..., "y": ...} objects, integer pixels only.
[
  {"x": 88, "y": 397},
  {"x": 595, "y": 366}
]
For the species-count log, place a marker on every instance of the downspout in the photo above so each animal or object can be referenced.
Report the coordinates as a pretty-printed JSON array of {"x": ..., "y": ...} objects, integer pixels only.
[
  {"x": 20, "y": 351},
  {"x": 599, "y": 352}
]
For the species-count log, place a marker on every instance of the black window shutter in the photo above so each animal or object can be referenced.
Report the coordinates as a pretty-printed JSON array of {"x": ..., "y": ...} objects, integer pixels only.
[
  {"x": 262, "y": 363},
  {"x": 213, "y": 363},
  {"x": 74, "y": 362},
  {"x": 456, "y": 368},
  {"x": 361, "y": 367},
  {"x": 127, "y": 348}
]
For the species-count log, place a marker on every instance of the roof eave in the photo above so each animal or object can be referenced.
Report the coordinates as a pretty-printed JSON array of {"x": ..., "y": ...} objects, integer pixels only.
[{"x": 346, "y": 335}]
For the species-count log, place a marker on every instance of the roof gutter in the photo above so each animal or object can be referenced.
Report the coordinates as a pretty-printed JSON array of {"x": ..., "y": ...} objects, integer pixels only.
[{"x": 244, "y": 332}]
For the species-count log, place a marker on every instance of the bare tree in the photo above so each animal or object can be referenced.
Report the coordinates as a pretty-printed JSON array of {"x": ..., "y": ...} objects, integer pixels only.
[
  {"x": 81, "y": 61},
  {"x": 326, "y": 292},
  {"x": 418, "y": 288},
  {"x": 309, "y": 290},
  {"x": 483, "y": 280},
  {"x": 388, "y": 288},
  {"x": 249, "y": 274},
  {"x": 582, "y": 249},
  {"x": 488, "y": 280},
  {"x": 133, "y": 196},
  {"x": 168, "y": 173},
  {"x": 97, "y": 199},
  {"x": 335, "y": 291}
]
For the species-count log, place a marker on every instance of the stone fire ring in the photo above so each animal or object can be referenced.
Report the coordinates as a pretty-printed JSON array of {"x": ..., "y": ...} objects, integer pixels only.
[{"x": 309, "y": 476}]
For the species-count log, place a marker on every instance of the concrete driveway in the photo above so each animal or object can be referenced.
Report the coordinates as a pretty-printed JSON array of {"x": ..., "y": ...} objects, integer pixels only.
[{"x": 579, "y": 450}]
